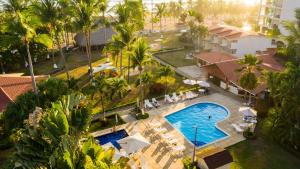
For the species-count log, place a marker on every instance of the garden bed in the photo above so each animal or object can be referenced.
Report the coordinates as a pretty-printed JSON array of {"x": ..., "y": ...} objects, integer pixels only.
[{"x": 110, "y": 122}]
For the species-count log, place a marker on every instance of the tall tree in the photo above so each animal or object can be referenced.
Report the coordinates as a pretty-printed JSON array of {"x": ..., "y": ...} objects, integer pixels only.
[
  {"x": 102, "y": 86},
  {"x": 50, "y": 15},
  {"x": 250, "y": 67},
  {"x": 55, "y": 138},
  {"x": 165, "y": 72},
  {"x": 85, "y": 21},
  {"x": 292, "y": 40},
  {"x": 285, "y": 115},
  {"x": 140, "y": 57},
  {"x": 160, "y": 13},
  {"x": 21, "y": 25}
]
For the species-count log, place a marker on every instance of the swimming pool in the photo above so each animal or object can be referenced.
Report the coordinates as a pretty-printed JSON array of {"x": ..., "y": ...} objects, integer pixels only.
[
  {"x": 113, "y": 138},
  {"x": 198, "y": 115}
]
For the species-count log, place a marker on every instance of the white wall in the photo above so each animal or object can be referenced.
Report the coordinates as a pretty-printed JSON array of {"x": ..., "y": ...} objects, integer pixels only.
[
  {"x": 251, "y": 44},
  {"x": 288, "y": 12}
]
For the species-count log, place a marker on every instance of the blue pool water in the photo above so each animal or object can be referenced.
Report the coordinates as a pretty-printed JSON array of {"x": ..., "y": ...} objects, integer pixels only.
[
  {"x": 113, "y": 138},
  {"x": 198, "y": 115}
]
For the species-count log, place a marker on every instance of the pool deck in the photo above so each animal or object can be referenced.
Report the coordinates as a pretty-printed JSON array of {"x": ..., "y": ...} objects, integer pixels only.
[{"x": 157, "y": 155}]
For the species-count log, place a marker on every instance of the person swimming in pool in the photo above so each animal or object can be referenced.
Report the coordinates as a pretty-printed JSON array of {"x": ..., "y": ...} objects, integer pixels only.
[{"x": 209, "y": 117}]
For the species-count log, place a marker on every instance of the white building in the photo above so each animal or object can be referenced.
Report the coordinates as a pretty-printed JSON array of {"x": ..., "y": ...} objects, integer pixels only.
[
  {"x": 273, "y": 12},
  {"x": 235, "y": 41}
]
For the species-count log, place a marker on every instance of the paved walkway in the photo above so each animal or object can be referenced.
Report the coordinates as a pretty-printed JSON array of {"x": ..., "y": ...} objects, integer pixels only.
[
  {"x": 193, "y": 72},
  {"x": 158, "y": 155}
]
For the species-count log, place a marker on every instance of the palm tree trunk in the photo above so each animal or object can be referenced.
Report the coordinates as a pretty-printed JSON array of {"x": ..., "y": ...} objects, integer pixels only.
[
  {"x": 102, "y": 105},
  {"x": 128, "y": 67},
  {"x": 141, "y": 91},
  {"x": 121, "y": 69},
  {"x": 87, "y": 49},
  {"x": 63, "y": 57},
  {"x": 33, "y": 81}
]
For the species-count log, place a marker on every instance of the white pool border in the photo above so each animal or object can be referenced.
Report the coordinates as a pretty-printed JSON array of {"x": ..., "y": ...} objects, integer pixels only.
[{"x": 205, "y": 145}]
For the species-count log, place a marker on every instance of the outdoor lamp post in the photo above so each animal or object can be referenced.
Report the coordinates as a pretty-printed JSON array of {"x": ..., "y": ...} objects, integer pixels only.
[
  {"x": 1, "y": 64},
  {"x": 195, "y": 140}
]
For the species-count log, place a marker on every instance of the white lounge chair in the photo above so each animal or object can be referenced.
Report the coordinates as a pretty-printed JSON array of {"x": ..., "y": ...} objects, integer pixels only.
[
  {"x": 155, "y": 124},
  {"x": 182, "y": 96},
  {"x": 155, "y": 102},
  {"x": 171, "y": 141},
  {"x": 148, "y": 104},
  {"x": 178, "y": 150},
  {"x": 167, "y": 136},
  {"x": 168, "y": 99},
  {"x": 202, "y": 91},
  {"x": 160, "y": 129},
  {"x": 193, "y": 94},
  {"x": 190, "y": 95},
  {"x": 237, "y": 128},
  {"x": 175, "y": 97}
]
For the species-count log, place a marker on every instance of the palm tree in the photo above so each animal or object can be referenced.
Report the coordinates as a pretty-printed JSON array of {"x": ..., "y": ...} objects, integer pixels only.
[
  {"x": 144, "y": 80},
  {"x": 140, "y": 57},
  {"x": 292, "y": 40},
  {"x": 118, "y": 87},
  {"x": 58, "y": 135},
  {"x": 165, "y": 72},
  {"x": 250, "y": 67},
  {"x": 160, "y": 13},
  {"x": 102, "y": 87},
  {"x": 21, "y": 25},
  {"x": 126, "y": 37},
  {"x": 49, "y": 13},
  {"x": 85, "y": 21}
]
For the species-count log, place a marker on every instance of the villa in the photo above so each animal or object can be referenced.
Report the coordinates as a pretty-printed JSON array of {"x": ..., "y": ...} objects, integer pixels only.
[
  {"x": 98, "y": 38},
  {"x": 222, "y": 69},
  {"x": 235, "y": 41}
]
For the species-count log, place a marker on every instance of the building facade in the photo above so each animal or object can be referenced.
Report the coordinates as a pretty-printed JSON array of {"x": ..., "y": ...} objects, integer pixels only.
[
  {"x": 235, "y": 41},
  {"x": 273, "y": 12}
]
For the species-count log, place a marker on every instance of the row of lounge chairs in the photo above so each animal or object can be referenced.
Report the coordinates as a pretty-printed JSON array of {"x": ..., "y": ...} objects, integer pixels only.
[
  {"x": 170, "y": 99},
  {"x": 170, "y": 141}
]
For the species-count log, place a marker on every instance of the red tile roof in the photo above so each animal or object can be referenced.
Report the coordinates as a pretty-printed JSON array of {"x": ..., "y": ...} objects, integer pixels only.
[
  {"x": 230, "y": 32},
  {"x": 12, "y": 87},
  {"x": 226, "y": 70},
  {"x": 214, "y": 57}
]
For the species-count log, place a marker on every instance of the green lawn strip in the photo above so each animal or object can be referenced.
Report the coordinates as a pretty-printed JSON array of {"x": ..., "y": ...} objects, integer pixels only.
[
  {"x": 177, "y": 58},
  {"x": 262, "y": 153}
]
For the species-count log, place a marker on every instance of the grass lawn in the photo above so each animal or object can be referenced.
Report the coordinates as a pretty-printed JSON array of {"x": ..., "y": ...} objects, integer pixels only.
[
  {"x": 177, "y": 58},
  {"x": 170, "y": 40},
  {"x": 262, "y": 153}
]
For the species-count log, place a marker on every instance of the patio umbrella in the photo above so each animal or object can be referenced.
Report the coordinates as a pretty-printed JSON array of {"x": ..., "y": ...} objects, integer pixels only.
[
  {"x": 247, "y": 111},
  {"x": 134, "y": 143},
  {"x": 203, "y": 84},
  {"x": 117, "y": 154}
]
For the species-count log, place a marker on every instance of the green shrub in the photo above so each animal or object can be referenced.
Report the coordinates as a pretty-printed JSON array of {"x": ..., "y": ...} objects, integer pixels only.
[
  {"x": 51, "y": 90},
  {"x": 17, "y": 111},
  {"x": 187, "y": 163},
  {"x": 5, "y": 143},
  {"x": 157, "y": 89},
  {"x": 262, "y": 106},
  {"x": 109, "y": 121},
  {"x": 140, "y": 116}
]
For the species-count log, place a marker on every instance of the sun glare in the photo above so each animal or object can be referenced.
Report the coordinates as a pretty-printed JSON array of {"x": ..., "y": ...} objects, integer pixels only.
[{"x": 247, "y": 27}]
